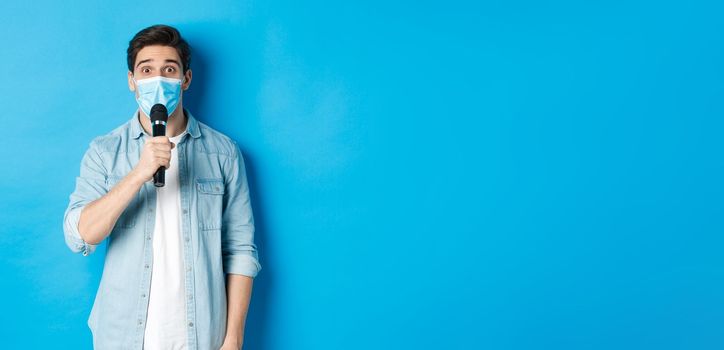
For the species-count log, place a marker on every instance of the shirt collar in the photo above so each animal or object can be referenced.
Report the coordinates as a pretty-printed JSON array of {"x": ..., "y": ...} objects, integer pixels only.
[{"x": 192, "y": 126}]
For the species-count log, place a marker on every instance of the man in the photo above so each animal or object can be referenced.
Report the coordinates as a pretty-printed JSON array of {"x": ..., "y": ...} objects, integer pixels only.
[{"x": 180, "y": 259}]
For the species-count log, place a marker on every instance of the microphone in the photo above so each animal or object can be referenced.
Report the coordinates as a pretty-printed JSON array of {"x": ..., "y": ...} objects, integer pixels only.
[{"x": 159, "y": 117}]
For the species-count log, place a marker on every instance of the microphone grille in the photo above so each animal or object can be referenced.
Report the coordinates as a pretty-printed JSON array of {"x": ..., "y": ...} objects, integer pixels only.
[{"x": 159, "y": 112}]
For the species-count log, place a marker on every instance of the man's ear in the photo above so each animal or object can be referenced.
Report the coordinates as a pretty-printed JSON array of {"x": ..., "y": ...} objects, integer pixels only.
[
  {"x": 131, "y": 84},
  {"x": 187, "y": 80}
]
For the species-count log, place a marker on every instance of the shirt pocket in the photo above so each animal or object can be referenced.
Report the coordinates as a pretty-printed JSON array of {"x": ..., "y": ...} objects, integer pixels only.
[
  {"x": 130, "y": 215},
  {"x": 210, "y": 202}
]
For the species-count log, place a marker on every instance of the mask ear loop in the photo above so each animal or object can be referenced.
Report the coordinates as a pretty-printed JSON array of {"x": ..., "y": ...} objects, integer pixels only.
[{"x": 135, "y": 83}]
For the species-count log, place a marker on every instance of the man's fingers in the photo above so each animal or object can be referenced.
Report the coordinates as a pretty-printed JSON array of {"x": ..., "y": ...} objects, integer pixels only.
[
  {"x": 162, "y": 156},
  {"x": 161, "y": 147},
  {"x": 163, "y": 162},
  {"x": 160, "y": 139}
]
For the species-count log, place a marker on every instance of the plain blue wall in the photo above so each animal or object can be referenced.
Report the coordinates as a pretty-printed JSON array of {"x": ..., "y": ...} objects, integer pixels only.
[{"x": 425, "y": 175}]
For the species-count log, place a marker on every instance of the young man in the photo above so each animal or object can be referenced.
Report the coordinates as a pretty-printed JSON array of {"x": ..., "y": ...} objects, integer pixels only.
[{"x": 181, "y": 258}]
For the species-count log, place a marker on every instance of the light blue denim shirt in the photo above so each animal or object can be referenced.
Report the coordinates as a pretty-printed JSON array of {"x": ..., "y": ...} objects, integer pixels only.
[{"x": 217, "y": 230}]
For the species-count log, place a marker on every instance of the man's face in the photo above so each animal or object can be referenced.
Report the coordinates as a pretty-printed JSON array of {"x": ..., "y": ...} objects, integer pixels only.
[{"x": 158, "y": 60}]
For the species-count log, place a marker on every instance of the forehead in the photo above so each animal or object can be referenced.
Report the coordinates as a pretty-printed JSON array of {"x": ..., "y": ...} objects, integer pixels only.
[{"x": 158, "y": 54}]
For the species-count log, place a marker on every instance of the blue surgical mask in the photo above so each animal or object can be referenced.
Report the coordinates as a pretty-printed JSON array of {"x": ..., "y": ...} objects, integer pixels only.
[{"x": 158, "y": 89}]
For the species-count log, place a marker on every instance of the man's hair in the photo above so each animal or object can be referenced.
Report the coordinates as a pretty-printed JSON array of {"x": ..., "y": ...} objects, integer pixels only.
[{"x": 159, "y": 35}]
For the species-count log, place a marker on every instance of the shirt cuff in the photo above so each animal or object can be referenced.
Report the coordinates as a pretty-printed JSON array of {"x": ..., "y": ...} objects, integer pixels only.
[
  {"x": 72, "y": 235},
  {"x": 243, "y": 264}
]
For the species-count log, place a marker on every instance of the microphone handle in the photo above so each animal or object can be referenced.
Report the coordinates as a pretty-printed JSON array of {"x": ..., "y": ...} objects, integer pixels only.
[{"x": 159, "y": 178}]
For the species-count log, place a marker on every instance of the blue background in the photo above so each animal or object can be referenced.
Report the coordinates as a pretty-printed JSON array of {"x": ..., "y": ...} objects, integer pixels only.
[{"x": 425, "y": 175}]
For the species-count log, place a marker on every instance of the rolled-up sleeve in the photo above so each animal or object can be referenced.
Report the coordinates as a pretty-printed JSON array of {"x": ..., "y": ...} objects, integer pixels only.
[
  {"x": 89, "y": 186},
  {"x": 237, "y": 230}
]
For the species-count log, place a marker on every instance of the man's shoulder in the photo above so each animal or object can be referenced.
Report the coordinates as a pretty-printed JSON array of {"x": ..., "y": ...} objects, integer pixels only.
[
  {"x": 217, "y": 142},
  {"x": 111, "y": 140}
]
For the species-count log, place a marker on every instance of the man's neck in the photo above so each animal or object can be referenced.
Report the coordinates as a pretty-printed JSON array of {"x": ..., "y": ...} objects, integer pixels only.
[{"x": 175, "y": 126}]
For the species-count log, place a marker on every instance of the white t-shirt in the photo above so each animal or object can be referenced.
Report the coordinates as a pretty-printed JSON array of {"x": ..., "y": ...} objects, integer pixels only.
[{"x": 166, "y": 319}]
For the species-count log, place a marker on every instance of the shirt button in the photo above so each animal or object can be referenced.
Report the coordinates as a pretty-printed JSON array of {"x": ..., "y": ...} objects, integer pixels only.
[
  {"x": 140, "y": 322},
  {"x": 187, "y": 238},
  {"x": 191, "y": 324},
  {"x": 185, "y": 211},
  {"x": 143, "y": 295},
  {"x": 146, "y": 265},
  {"x": 148, "y": 238}
]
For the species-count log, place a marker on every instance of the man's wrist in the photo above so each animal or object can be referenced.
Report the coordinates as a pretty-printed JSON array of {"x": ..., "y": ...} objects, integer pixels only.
[
  {"x": 234, "y": 340},
  {"x": 135, "y": 177},
  {"x": 236, "y": 343}
]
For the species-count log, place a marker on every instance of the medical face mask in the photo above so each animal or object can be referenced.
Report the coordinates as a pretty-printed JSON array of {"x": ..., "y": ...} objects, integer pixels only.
[{"x": 158, "y": 89}]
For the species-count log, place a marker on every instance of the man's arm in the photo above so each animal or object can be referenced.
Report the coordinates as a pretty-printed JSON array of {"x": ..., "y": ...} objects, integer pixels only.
[
  {"x": 238, "y": 295},
  {"x": 98, "y": 217},
  {"x": 90, "y": 189},
  {"x": 240, "y": 259}
]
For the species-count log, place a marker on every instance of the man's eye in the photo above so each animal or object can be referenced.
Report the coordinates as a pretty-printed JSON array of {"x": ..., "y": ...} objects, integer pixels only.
[
  {"x": 170, "y": 70},
  {"x": 145, "y": 70}
]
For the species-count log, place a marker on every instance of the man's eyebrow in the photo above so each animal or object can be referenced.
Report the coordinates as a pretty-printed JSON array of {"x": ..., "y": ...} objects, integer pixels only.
[
  {"x": 144, "y": 61},
  {"x": 151, "y": 59}
]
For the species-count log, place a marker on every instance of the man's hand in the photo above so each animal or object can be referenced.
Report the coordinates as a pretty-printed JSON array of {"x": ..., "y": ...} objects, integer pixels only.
[{"x": 156, "y": 153}]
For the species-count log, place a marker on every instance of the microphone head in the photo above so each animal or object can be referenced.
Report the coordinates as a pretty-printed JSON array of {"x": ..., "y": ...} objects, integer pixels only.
[{"x": 159, "y": 112}]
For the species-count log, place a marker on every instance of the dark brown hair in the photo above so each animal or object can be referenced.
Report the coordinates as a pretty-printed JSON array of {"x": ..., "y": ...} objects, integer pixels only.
[{"x": 159, "y": 35}]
